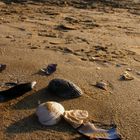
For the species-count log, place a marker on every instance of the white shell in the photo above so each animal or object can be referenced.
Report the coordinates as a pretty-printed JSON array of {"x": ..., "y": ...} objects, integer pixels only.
[
  {"x": 50, "y": 113},
  {"x": 75, "y": 117}
]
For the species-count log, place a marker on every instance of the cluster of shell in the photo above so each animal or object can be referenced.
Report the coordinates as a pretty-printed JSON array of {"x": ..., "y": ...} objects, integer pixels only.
[{"x": 50, "y": 113}]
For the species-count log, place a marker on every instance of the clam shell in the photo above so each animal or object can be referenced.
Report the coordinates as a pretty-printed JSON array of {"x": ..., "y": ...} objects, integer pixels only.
[
  {"x": 64, "y": 89},
  {"x": 50, "y": 113},
  {"x": 75, "y": 117}
]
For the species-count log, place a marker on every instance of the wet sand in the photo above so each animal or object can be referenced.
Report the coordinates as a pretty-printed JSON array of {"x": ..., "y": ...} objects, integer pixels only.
[{"x": 88, "y": 44}]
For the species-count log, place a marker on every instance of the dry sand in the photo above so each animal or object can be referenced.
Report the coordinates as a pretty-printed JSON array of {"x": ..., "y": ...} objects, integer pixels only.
[{"x": 33, "y": 35}]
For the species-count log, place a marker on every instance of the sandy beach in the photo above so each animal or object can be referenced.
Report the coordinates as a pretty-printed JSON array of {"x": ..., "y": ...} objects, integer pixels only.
[{"x": 89, "y": 42}]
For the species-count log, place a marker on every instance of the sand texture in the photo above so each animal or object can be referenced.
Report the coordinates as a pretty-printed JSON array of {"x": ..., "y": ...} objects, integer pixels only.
[{"x": 89, "y": 42}]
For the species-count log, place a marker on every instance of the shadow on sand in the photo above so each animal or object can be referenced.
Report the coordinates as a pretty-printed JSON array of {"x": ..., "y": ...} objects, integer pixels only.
[
  {"x": 30, "y": 124},
  {"x": 31, "y": 101}
]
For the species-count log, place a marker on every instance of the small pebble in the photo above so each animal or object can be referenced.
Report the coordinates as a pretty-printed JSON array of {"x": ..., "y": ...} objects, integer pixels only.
[
  {"x": 138, "y": 72},
  {"x": 83, "y": 59},
  {"x": 93, "y": 58},
  {"x": 98, "y": 68},
  {"x": 118, "y": 65},
  {"x": 34, "y": 47},
  {"x": 10, "y": 36},
  {"x": 101, "y": 85},
  {"x": 29, "y": 33},
  {"x": 68, "y": 50},
  {"x": 129, "y": 69}
]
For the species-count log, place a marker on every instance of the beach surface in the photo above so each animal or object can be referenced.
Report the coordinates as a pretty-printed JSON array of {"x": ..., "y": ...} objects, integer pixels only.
[{"x": 89, "y": 42}]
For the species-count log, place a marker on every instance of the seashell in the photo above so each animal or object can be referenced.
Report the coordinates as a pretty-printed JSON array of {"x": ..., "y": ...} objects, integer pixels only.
[
  {"x": 101, "y": 85},
  {"x": 126, "y": 76},
  {"x": 88, "y": 129},
  {"x": 50, "y": 113},
  {"x": 64, "y": 89},
  {"x": 50, "y": 69},
  {"x": 16, "y": 91},
  {"x": 75, "y": 117}
]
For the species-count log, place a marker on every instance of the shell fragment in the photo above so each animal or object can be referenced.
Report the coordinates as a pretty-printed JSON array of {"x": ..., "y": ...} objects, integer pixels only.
[
  {"x": 88, "y": 129},
  {"x": 75, "y": 117}
]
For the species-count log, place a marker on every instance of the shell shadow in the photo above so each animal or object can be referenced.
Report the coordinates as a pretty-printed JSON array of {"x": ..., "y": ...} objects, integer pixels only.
[
  {"x": 31, "y": 101},
  {"x": 39, "y": 72},
  {"x": 32, "y": 124}
]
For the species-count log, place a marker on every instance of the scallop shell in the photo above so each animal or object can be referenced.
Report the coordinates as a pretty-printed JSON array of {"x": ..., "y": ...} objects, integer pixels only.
[
  {"x": 64, "y": 89},
  {"x": 75, "y": 117},
  {"x": 126, "y": 76},
  {"x": 50, "y": 113}
]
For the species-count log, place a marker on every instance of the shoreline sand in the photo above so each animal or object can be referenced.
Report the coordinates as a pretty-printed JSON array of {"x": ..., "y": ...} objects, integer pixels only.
[{"x": 88, "y": 45}]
